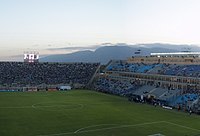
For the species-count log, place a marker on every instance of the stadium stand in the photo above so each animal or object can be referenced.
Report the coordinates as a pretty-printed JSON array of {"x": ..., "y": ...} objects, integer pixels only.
[
  {"x": 195, "y": 106},
  {"x": 184, "y": 100},
  {"x": 165, "y": 69},
  {"x": 144, "y": 90},
  {"x": 113, "y": 86},
  {"x": 19, "y": 74},
  {"x": 174, "y": 81}
]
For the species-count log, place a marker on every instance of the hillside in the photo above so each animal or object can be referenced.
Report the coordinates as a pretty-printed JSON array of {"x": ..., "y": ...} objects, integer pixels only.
[{"x": 105, "y": 53}]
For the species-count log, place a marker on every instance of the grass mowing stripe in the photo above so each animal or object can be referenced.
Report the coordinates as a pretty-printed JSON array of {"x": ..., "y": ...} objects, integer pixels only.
[{"x": 18, "y": 107}]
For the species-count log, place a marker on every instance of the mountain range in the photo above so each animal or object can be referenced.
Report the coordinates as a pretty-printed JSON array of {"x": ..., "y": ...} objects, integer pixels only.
[{"x": 105, "y": 53}]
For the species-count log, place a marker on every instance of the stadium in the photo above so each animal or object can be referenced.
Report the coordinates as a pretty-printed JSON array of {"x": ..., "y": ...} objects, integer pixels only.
[{"x": 155, "y": 95}]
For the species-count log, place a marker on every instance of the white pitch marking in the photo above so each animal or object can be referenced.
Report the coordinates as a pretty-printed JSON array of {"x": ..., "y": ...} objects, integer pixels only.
[
  {"x": 182, "y": 126},
  {"x": 157, "y": 135},
  {"x": 100, "y": 129},
  {"x": 122, "y": 126},
  {"x": 93, "y": 126}
]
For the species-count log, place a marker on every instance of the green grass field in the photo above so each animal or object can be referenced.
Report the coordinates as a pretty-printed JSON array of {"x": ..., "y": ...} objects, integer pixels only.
[{"x": 88, "y": 113}]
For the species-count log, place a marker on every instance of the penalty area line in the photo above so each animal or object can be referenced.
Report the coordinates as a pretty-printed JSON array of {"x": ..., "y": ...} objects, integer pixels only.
[
  {"x": 81, "y": 130},
  {"x": 92, "y": 126},
  {"x": 182, "y": 126}
]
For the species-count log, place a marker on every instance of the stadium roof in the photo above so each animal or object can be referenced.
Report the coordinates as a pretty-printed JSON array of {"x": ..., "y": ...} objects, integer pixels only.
[{"x": 176, "y": 54}]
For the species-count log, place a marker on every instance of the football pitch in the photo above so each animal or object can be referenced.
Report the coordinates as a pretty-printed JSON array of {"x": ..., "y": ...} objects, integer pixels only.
[{"x": 88, "y": 113}]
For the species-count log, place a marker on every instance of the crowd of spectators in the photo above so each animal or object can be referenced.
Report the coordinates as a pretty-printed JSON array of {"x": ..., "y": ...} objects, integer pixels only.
[
  {"x": 32, "y": 74},
  {"x": 163, "y": 69},
  {"x": 183, "y": 70},
  {"x": 151, "y": 93},
  {"x": 114, "y": 86},
  {"x": 168, "y": 95}
]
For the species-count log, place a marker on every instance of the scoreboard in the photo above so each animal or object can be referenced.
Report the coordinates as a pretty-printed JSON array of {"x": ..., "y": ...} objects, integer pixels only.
[{"x": 31, "y": 57}]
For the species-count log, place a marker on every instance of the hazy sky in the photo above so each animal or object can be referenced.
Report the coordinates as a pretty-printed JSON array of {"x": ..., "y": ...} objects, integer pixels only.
[{"x": 42, "y": 24}]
